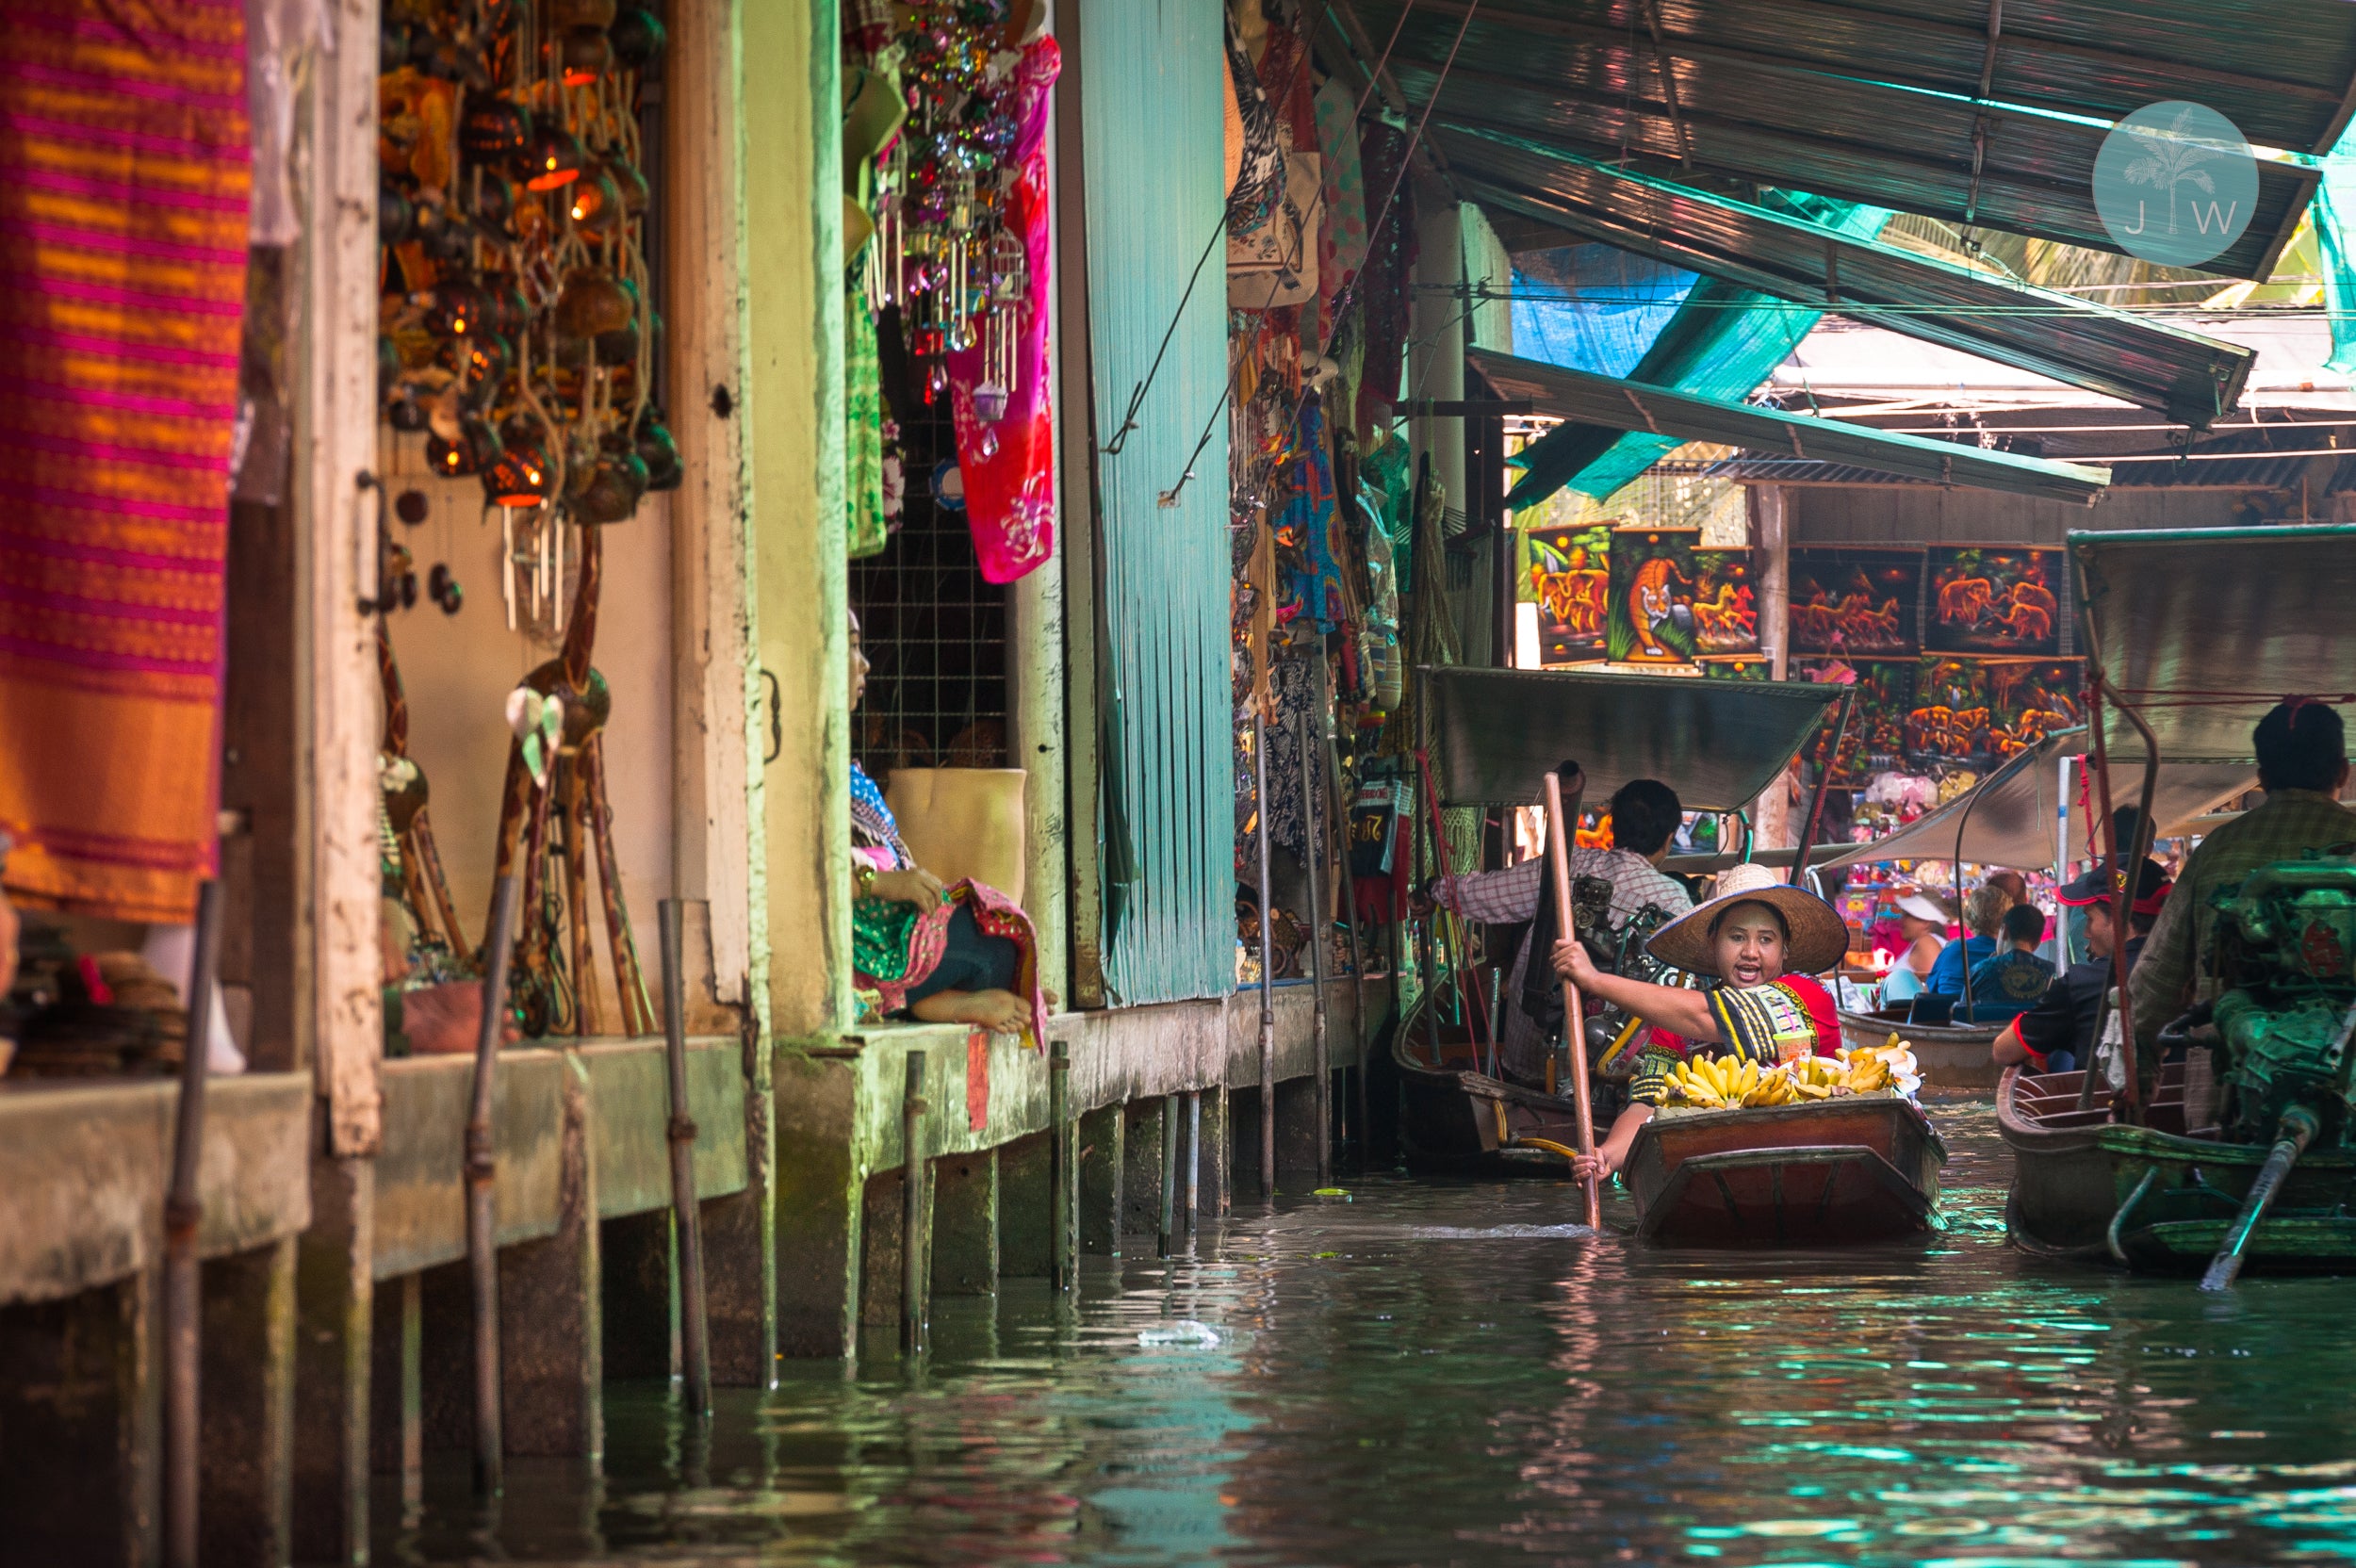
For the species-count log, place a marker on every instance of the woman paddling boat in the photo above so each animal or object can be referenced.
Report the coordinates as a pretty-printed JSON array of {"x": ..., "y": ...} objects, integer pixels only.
[{"x": 1766, "y": 941}]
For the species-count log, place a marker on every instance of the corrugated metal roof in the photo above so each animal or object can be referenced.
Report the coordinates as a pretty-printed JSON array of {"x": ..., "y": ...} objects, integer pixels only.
[
  {"x": 2089, "y": 346},
  {"x": 1632, "y": 405},
  {"x": 1810, "y": 96}
]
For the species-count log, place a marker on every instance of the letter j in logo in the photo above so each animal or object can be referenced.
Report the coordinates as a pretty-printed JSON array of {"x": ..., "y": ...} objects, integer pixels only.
[{"x": 2175, "y": 184}]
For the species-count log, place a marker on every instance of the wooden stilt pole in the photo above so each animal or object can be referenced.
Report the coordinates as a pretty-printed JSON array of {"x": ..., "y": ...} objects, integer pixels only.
[
  {"x": 915, "y": 1241},
  {"x": 482, "y": 1174},
  {"x": 687, "y": 1213},
  {"x": 183, "y": 1270},
  {"x": 1268, "y": 965},
  {"x": 1312, "y": 855}
]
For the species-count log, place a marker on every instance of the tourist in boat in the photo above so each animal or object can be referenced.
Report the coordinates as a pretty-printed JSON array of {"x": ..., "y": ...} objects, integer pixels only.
[
  {"x": 1765, "y": 941},
  {"x": 1923, "y": 923},
  {"x": 2011, "y": 983},
  {"x": 2057, "y": 1035},
  {"x": 1983, "y": 915},
  {"x": 1644, "y": 818},
  {"x": 2302, "y": 766}
]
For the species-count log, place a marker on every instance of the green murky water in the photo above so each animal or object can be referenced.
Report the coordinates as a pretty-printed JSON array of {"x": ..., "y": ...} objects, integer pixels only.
[{"x": 1452, "y": 1373}]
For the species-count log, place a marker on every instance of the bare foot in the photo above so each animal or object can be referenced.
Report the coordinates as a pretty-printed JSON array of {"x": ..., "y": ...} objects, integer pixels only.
[{"x": 1000, "y": 1012}]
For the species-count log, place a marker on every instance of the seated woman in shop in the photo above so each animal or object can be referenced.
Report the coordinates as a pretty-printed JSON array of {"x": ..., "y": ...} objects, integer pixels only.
[
  {"x": 942, "y": 953},
  {"x": 1765, "y": 941}
]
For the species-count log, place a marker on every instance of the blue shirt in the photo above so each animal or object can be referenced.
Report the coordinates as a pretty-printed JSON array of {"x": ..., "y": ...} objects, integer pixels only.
[
  {"x": 2008, "y": 985},
  {"x": 1946, "y": 978}
]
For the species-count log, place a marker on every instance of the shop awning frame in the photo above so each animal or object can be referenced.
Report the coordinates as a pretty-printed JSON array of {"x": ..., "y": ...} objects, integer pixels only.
[
  {"x": 1581, "y": 395},
  {"x": 2203, "y": 631},
  {"x": 1494, "y": 734},
  {"x": 2009, "y": 818},
  {"x": 2111, "y": 352},
  {"x": 1878, "y": 105}
]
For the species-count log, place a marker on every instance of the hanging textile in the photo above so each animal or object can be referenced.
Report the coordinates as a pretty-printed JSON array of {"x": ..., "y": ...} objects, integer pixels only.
[
  {"x": 1008, "y": 464},
  {"x": 863, "y": 410},
  {"x": 1308, "y": 523},
  {"x": 1385, "y": 284},
  {"x": 1342, "y": 239},
  {"x": 2334, "y": 208},
  {"x": 124, "y": 185}
]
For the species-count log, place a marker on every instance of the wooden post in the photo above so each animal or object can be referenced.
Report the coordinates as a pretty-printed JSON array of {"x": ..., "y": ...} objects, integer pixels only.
[
  {"x": 1340, "y": 808},
  {"x": 1166, "y": 1229},
  {"x": 1559, "y": 825},
  {"x": 1313, "y": 855},
  {"x": 1062, "y": 1176},
  {"x": 482, "y": 1173},
  {"x": 694, "y": 1336},
  {"x": 1194, "y": 1160},
  {"x": 915, "y": 1245},
  {"x": 1268, "y": 963},
  {"x": 183, "y": 1270}
]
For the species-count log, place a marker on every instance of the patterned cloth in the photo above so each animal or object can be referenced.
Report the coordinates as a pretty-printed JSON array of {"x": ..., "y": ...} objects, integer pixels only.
[
  {"x": 1009, "y": 466},
  {"x": 1342, "y": 237},
  {"x": 863, "y": 412},
  {"x": 1508, "y": 896},
  {"x": 1310, "y": 523},
  {"x": 1768, "y": 1023},
  {"x": 125, "y": 176},
  {"x": 2290, "y": 823}
]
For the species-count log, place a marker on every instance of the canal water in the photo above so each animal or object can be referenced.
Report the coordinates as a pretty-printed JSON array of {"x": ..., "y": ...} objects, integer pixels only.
[{"x": 1436, "y": 1373}]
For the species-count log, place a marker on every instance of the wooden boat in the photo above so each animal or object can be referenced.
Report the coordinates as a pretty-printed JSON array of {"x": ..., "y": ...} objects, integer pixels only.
[
  {"x": 1830, "y": 1172},
  {"x": 1952, "y": 1056},
  {"x": 1455, "y": 1116},
  {"x": 2155, "y": 1197}
]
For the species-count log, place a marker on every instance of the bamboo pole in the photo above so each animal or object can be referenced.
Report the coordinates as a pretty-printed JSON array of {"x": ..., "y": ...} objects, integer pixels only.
[
  {"x": 1559, "y": 825},
  {"x": 183, "y": 1210},
  {"x": 481, "y": 1175},
  {"x": 687, "y": 1215}
]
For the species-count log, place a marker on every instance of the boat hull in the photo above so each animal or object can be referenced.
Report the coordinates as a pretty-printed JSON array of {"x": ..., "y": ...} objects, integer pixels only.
[
  {"x": 1949, "y": 1057},
  {"x": 1457, "y": 1117},
  {"x": 1834, "y": 1172},
  {"x": 2156, "y": 1199}
]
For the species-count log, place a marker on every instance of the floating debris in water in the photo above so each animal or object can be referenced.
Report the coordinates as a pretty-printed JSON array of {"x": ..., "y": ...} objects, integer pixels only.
[
  {"x": 1332, "y": 1192},
  {"x": 1186, "y": 1331}
]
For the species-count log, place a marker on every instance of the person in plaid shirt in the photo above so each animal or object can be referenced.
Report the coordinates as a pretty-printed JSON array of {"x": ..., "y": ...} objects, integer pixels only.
[
  {"x": 2302, "y": 765},
  {"x": 1645, "y": 817}
]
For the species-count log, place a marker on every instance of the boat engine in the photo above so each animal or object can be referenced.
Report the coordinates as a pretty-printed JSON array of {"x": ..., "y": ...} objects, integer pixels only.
[{"x": 2285, "y": 961}]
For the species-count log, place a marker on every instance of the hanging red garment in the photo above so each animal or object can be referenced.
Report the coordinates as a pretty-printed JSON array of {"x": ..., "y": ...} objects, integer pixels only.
[
  {"x": 124, "y": 180},
  {"x": 1009, "y": 467}
]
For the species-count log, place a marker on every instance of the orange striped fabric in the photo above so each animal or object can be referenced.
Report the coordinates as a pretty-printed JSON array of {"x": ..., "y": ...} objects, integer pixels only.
[{"x": 124, "y": 190}]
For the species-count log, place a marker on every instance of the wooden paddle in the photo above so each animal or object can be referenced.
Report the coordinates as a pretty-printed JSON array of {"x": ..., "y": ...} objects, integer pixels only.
[{"x": 1558, "y": 827}]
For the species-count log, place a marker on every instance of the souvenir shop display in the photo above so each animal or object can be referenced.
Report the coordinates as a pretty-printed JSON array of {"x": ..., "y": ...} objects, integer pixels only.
[
  {"x": 518, "y": 335},
  {"x": 1670, "y": 603},
  {"x": 1984, "y": 601},
  {"x": 1859, "y": 604}
]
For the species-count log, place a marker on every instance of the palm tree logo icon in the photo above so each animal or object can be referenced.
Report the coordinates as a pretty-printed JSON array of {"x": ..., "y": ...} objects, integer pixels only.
[
  {"x": 2173, "y": 160},
  {"x": 2197, "y": 160}
]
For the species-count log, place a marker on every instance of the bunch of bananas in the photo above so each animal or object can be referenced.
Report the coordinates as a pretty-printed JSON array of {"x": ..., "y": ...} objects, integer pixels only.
[{"x": 1722, "y": 1084}]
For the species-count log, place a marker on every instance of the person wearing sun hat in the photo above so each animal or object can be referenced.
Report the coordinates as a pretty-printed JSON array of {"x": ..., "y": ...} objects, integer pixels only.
[
  {"x": 1923, "y": 922},
  {"x": 1766, "y": 941}
]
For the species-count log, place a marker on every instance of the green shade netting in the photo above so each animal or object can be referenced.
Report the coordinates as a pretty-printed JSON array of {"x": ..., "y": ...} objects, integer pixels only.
[
  {"x": 1723, "y": 342},
  {"x": 2335, "y": 206}
]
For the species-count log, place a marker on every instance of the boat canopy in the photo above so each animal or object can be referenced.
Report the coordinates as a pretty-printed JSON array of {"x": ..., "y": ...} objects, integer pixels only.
[
  {"x": 2010, "y": 817},
  {"x": 1632, "y": 406},
  {"x": 1493, "y": 733},
  {"x": 2162, "y": 604}
]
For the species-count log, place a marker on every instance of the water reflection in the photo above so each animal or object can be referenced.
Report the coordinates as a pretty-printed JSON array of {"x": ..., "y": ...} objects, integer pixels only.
[{"x": 1452, "y": 1373}]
